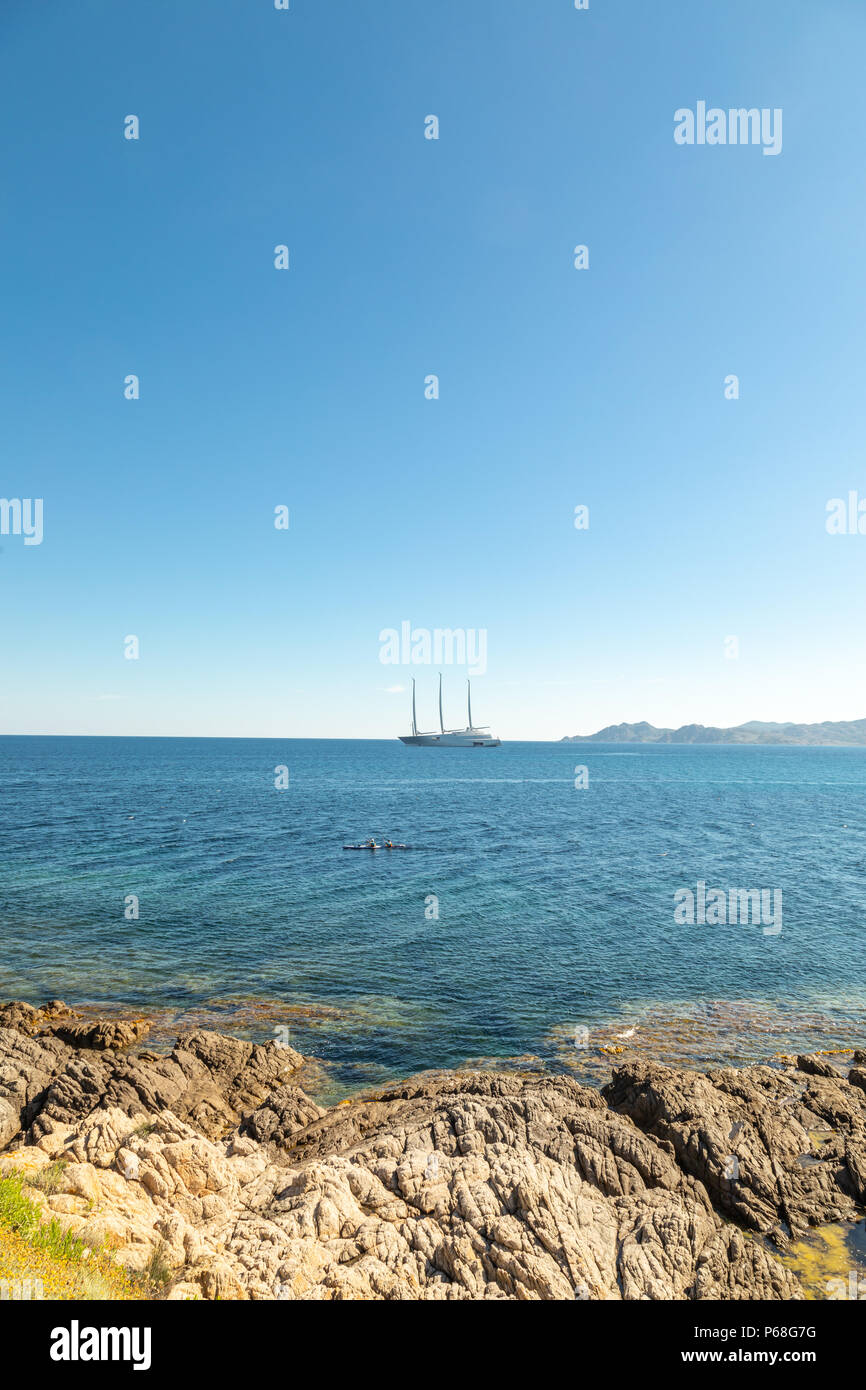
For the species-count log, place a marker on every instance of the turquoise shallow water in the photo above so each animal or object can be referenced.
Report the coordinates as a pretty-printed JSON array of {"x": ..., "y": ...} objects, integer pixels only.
[{"x": 555, "y": 905}]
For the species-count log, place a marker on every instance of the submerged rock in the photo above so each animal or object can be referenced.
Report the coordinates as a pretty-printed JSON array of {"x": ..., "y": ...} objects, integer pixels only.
[{"x": 668, "y": 1184}]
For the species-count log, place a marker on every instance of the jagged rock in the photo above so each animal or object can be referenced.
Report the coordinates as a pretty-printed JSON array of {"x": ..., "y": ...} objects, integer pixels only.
[
  {"x": 211, "y": 1162},
  {"x": 19, "y": 1015},
  {"x": 27, "y": 1066},
  {"x": 836, "y": 1103},
  {"x": 108, "y": 1035},
  {"x": 281, "y": 1116},
  {"x": 207, "y": 1079},
  {"x": 855, "y": 1162},
  {"x": 218, "y": 1280},
  {"x": 183, "y": 1292},
  {"x": 816, "y": 1066},
  {"x": 746, "y": 1137},
  {"x": 30, "y": 1020},
  {"x": 857, "y": 1077}
]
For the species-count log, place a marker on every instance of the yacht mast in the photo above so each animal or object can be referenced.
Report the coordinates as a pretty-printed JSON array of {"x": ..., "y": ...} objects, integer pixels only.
[
  {"x": 441, "y": 725},
  {"x": 469, "y": 700},
  {"x": 414, "y": 723}
]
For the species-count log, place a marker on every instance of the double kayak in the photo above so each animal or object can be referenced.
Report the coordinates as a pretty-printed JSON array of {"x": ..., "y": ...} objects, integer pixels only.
[{"x": 377, "y": 846}]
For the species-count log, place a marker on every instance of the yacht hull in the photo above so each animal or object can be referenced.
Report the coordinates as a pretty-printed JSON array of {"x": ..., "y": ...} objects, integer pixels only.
[{"x": 468, "y": 740}]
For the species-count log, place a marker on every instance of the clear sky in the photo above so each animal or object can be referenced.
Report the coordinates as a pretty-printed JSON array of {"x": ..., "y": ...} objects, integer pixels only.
[{"x": 559, "y": 387}]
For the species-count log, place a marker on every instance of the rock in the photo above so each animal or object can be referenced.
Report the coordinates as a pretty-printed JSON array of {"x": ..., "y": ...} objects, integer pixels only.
[
  {"x": 736, "y": 1134},
  {"x": 816, "y": 1066},
  {"x": 483, "y": 1186},
  {"x": 110, "y": 1034},
  {"x": 30, "y": 1020},
  {"x": 282, "y": 1115},
  {"x": 184, "y": 1293},
  {"x": 198, "y": 1167},
  {"x": 97, "y": 1137},
  {"x": 80, "y": 1180},
  {"x": 206, "y": 1078},
  {"x": 219, "y": 1281},
  {"x": 25, "y": 1161},
  {"x": 857, "y": 1077},
  {"x": 213, "y": 1166},
  {"x": 19, "y": 1015},
  {"x": 27, "y": 1066}
]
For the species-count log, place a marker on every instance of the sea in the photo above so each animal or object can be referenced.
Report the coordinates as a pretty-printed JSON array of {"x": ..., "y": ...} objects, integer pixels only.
[{"x": 532, "y": 922}]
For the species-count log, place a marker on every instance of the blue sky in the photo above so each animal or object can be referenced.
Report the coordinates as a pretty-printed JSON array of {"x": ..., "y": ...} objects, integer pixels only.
[{"x": 408, "y": 257}]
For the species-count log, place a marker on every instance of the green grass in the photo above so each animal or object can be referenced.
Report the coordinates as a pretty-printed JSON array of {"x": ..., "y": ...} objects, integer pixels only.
[
  {"x": 48, "y": 1179},
  {"x": 157, "y": 1272},
  {"x": 64, "y": 1266},
  {"x": 143, "y": 1130},
  {"x": 19, "y": 1214}
]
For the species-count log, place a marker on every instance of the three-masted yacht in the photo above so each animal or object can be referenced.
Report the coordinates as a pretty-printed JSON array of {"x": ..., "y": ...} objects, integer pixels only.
[{"x": 470, "y": 737}]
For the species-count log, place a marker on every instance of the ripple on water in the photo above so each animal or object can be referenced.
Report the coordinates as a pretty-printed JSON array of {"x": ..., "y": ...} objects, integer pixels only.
[{"x": 717, "y": 1033}]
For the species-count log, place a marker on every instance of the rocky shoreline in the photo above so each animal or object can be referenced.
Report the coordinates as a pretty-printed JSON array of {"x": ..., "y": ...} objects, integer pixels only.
[{"x": 213, "y": 1161}]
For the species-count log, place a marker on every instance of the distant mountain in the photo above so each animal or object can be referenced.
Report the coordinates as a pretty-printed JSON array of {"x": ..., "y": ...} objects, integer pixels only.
[{"x": 842, "y": 731}]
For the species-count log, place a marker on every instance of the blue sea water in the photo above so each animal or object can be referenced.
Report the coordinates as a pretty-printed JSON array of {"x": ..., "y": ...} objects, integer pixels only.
[{"x": 555, "y": 904}]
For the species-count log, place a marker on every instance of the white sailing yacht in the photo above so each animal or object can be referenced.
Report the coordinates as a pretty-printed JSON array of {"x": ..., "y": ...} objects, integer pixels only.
[{"x": 470, "y": 737}]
